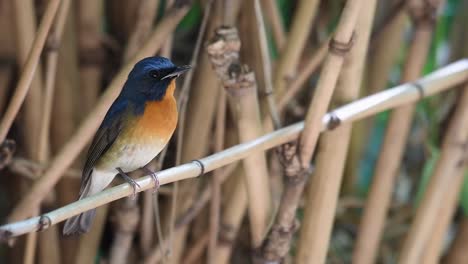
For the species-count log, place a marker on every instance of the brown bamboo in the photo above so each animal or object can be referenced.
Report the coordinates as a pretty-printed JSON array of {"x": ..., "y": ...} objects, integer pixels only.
[
  {"x": 277, "y": 26},
  {"x": 216, "y": 181},
  {"x": 436, "y": 82},
  {"x": 201, "y": 111},
  {"x": 24, "y": 13},
  {"x": 321, "y": 200},
  {"x": 64, "y": 158},
  {"x": 241, "y": 88},
  {"x": 296, "y": 39},
  {"x": 381, "y": 60},
  {"x": 452, "y": 157},
  {"x": 86, "y": 253},
  {"x": 434, "y": 245},
  {"x": 277, "y": 243},
  {"x": 232, "y": 215},
  {"x": 30, "y": 67},
  {"x": 388, "y": 163},
  {"x": 457, "y": 253}
]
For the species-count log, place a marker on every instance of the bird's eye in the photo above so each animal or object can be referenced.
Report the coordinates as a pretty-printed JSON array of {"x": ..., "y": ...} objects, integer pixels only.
[{"x": 155, "y": 74}]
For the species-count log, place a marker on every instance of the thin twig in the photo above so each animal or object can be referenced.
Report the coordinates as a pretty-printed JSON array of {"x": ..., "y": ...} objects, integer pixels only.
[{"x": 438, "y": 81}]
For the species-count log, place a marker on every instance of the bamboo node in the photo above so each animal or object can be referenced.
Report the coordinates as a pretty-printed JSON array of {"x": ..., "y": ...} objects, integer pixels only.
[
  {"x": 420, "y": 88},
  {"x": 44, "y": 223},
  {"x": 52, "y": 44},
  {"x": 227, "y": 234},
  {"x": 425, "y": 15},
  {"x": 333, "y": 122},
  {"x": 340, "y": 48},
  {"x": 7, "y": 150},
  {"x": 201, "y": 165}
]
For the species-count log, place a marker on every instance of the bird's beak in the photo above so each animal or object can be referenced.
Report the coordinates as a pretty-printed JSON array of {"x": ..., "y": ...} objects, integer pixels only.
[{"x": 179, "y": 70}]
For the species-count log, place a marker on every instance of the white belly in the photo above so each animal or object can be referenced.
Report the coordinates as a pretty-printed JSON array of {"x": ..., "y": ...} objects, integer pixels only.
[{"x": 131, "y": 157}]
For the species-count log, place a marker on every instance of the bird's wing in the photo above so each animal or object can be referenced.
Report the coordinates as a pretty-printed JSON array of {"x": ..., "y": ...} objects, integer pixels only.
[{"x": 104, "y": 138}]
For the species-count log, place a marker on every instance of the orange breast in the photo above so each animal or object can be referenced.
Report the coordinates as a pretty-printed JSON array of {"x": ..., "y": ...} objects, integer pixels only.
[{"x": 159, "y": 119}]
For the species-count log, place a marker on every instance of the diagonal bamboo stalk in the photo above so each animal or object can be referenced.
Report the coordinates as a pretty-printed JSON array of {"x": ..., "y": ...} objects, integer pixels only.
[
  {"x": 321, "y": 201},
  {"x": 29, "y": 69},
  {"x": 373, "y": 219},
  {"x": 296, "y": 39},
  {"x": 71, "y": 150},
  {"x": 452, "y": 158},
  {"x": 297, "y": 156},
  {"x": 436, "y": 82},
  {"x": 277, "y": 26},
  {"x": 433, "y": 249}
]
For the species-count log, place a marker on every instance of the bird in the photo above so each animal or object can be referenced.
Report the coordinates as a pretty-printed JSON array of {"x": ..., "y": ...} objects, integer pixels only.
[{"x": 137, "y": 126}]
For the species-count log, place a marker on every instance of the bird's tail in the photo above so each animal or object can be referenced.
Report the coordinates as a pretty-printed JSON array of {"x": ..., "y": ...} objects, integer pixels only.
[{"x": 81, "y": 223}]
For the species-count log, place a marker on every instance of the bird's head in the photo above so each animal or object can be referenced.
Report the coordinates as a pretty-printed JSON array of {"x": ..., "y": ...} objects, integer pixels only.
[{"x": 151, "y": 77}]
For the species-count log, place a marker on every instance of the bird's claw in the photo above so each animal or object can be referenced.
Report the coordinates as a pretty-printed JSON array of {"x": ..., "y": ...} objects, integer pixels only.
[
  {"x": 155, "y": 178},
  {"x": 130, "y": 181}
]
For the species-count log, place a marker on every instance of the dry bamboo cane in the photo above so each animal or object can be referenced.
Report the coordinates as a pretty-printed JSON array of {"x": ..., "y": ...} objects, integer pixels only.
[
  {"x": 241, "y": 89},
  {"x": 378, "y": 200},
  {"x": 49, "y": 245},
  {"x": 296, "y": 39},
  {"x": 277, "y": 26},
  {"x": 451, "y": 159},
  {"x": 70, "y": 151},
  {"x": 457, "y": 253},
  {"x": 434, "y": 245},
  {"x": 30, "y": 67},
  {"x": 321, "y": 201},
  {"x": 231, "y": 219},
  {"x": 436, "y": 82},
  {"x": 25, "y": 32},
  {"x": 89, "y": 62},
  {"x": 382, "y": 58},
  {"x": 297, "y": 159}
]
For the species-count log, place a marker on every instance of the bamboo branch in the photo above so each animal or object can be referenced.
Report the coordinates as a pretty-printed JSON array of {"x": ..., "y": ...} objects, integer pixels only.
[
  {"x": 74, "y": 146},
  {"x": 29, "y": 69},
  {"x": 438, "y": 81}
]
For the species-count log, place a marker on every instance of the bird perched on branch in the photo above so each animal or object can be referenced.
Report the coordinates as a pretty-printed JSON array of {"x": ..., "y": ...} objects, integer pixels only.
[{"x": 137, "y": 126}]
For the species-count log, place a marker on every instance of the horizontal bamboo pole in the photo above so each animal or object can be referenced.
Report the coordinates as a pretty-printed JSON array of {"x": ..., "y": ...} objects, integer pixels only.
[{"x": 438, "y": 81}]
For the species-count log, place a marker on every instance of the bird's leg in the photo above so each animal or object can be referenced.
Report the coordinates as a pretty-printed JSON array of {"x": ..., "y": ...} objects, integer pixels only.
[
  {"x": 155, "y": 178},
  {"x": 130, "y": 181}
]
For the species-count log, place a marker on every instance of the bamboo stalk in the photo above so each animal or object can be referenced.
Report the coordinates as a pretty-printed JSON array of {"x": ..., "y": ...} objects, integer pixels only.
[
  {"x": 438, "y": 81},
  {"x": 451, "y": 160},
  {"x": 457, "y": 253},
  {"x": 71, "y": 150},
  {"x": 297, "y": 156},
  {"x": 382, "y": 59},
  {"x": 277, "y": 26},
  {"x": 321, "y": 201},
  {"x": 446, "y": 212},
  {"x": 216, "y": 181},
  {"x": 231, "y": 219},
  {"x": 197, "y": 124},
  {"x": 241, "y": 88},
  {"x": 30, "y": 67},
  {"x": 388, "y": 163},
  {"x": 296, "y": 39}
]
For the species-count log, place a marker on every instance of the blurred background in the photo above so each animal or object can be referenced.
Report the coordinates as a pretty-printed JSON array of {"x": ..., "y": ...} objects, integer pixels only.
[{"x": 211, "y": 219}]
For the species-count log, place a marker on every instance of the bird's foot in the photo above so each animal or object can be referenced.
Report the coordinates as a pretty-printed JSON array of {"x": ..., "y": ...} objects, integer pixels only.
[
  {"x": 130, "y": 181},
  {"x": 155, "y": 178}
]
